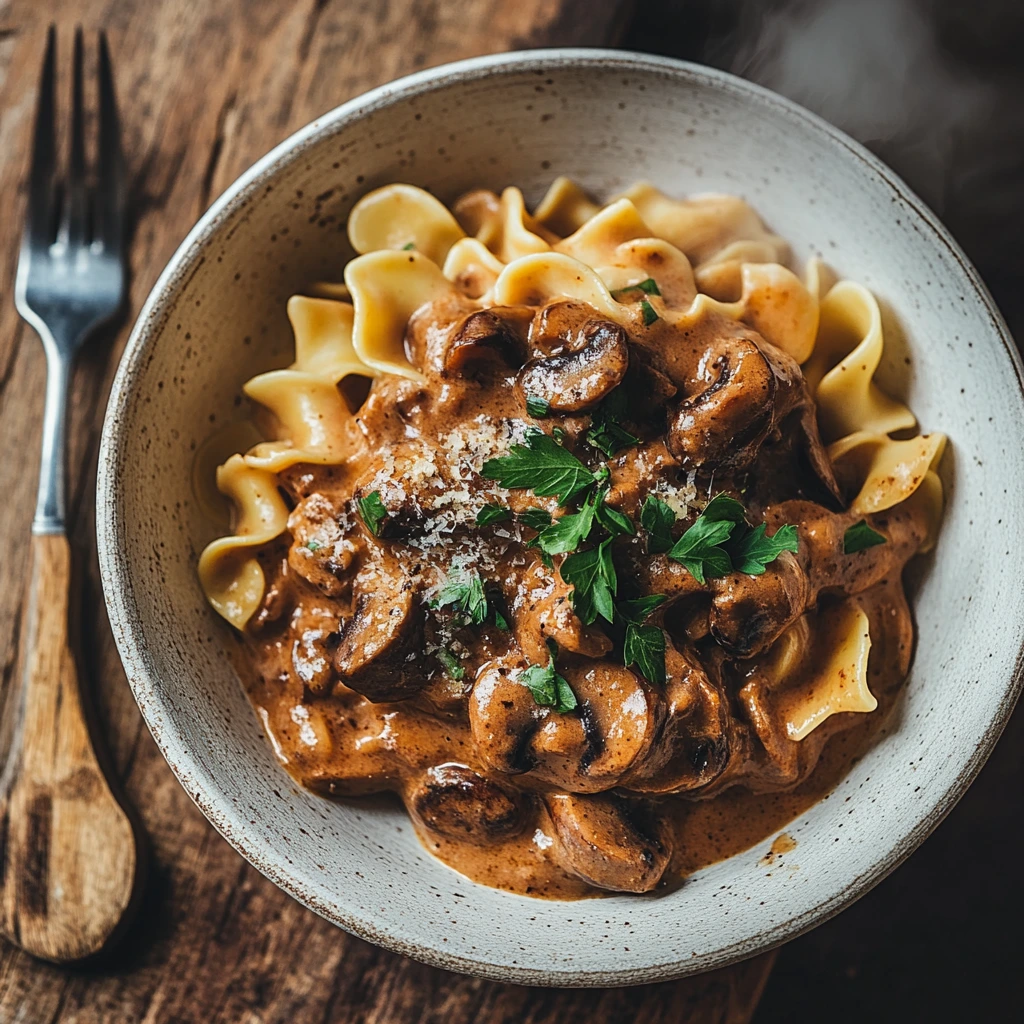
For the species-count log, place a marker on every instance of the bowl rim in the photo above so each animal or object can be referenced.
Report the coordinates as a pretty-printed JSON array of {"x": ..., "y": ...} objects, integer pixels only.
[{"x": 118, "y": 587}]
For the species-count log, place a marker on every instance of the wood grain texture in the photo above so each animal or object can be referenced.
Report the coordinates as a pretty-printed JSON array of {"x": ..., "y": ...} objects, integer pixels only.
[
  {"x": 67, "y": 849},
  {"x": 205, "y": 89}
]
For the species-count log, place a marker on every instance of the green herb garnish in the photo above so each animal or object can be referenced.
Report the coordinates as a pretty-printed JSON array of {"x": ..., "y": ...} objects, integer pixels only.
[
  {"x": 644, "y": 646},
  {"x": 549, "y": 689},
  {"x": 538, "y": 408},
  {"x": 657, "y": 519},
  {"x": 755, "y": 549},
  {"x": 313, "y": 545},
  {"x": 543, "y": 466},
  {"x": 591, "y": 574},
  {"x": 535, "y": 518},
  {"x": 493, "y": 514},
  {"x": 614, "y": 521},
  {"x": 860, "y": 536},
  {"x": 568, "y": 532},
  {"x": 408, "y": 247},
  {"x": 649, "y": 314},
  {"x": 720, "y": 541},
  {"x": 606, "y": 431},
  {"x": 464, "y": 592},
  {"x": 450, "y": 663},
  {"x": 648, "y": 286},
  {"x": 372, "y": 511}
]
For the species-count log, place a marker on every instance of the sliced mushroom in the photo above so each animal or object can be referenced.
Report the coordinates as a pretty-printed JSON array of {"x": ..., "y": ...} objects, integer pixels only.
[
  {"x": 749, "y": 613},
  {"x": 545, "y": 612},
  {"x": 587, "y": 750},
  {"x": 321, "y": 553},
  {"x": 556, "y": 327},
  {"x": 456, "y": 802},
  {"x": 609, "y": 842},
  {"x": 692, "y": 747},
  {"x": 483, "y": 344},
  {"x": 379, "y": 651},
  {"x": 577, "y": 379},
  {"x": 747, "y": 389}
]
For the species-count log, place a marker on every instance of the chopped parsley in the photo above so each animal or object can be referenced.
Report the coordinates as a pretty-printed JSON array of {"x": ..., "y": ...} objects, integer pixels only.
[
  {"x": 538, "y": 408},
  {"x": 463, "y": 591},
  {"x": 657, "y": 519},
  {"x": 720, "y": 541},
  {"x": 614, "y": 521},
  {"x": 450, "y": 663},
  {"x": 591, "y": 574},
  {"x": 549, "y": 689},
  {"x": 543, "y": 466},
  {"x": 649, "y": 314},
  {"x": 535, "y": 518},
  {"x": 644, "y": 646},
  {"x": 493, "y": 514},
  {"x": 648, "y": 286},
  {"x": 373, "y": 512},
  {"x": 408, "y": 247},
  {"x": 568, "y": 532},
  {"x": 860, "y": 536},
  {"x": 606, "y": 431},
  {"x": 313, "y": 545}
]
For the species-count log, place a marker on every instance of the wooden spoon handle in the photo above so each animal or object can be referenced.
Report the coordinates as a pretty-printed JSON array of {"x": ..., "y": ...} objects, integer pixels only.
[{"x": 67, "y": 848}]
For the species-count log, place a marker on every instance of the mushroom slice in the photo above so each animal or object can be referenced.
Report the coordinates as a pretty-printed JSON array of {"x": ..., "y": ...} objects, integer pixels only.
[
  {"x": 748, "y": 389},
  {"x": 556, "y": 325},
  {"x": 692, "y": 747},
  {"x": 546, "y": 613},
  {"x": 378, "y": 653},
  {"x": 576, "y": 380},
  {"x": 609, "y": 842},
  {"x": 584, "y": 751},
  {"x": 749, "y": 613},
  {"x": 484, "y": 343},
  {"x": 456, "y": 802}
]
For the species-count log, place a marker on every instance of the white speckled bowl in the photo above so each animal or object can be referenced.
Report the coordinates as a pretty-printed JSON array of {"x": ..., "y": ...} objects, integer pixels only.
[{"x": 217, "y": 316}]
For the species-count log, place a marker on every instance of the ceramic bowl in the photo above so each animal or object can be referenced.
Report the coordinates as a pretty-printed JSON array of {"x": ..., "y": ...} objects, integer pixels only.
[{"x": 217, "y": 316}]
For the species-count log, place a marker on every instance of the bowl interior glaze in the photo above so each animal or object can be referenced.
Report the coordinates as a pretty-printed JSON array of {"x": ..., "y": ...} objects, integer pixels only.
[{"x": 217, "y": 316}]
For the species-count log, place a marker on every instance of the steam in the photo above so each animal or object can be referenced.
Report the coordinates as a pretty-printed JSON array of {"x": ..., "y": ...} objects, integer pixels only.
[{"x": 875, "y": 69}]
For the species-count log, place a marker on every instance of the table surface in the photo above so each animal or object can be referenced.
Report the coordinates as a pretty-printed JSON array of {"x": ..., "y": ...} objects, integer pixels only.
[{"x": 205, "y": 88}]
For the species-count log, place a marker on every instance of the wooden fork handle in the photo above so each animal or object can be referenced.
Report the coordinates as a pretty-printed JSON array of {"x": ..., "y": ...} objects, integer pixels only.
[{"x": 67, "y": 848}]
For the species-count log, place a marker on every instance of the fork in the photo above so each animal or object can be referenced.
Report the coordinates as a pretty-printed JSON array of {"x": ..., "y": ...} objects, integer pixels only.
[{"x": 68, "y": 859}]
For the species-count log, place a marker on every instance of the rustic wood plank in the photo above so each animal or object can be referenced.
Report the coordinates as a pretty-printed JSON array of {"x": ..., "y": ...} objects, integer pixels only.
[{"x": 206, "y": 88}]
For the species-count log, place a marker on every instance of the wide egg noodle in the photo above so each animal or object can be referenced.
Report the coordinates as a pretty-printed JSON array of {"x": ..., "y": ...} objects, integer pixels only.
[
  {"x": 565, "y": 207},
  {"x": 472, "y": 268},
  {"x": 841, "y": 369},
  {"x": 821, "y": 670},
  {"x": 323, "y": 338},
  {"x": 401, "y": 217},
  {"x": 230, "y": 576}
]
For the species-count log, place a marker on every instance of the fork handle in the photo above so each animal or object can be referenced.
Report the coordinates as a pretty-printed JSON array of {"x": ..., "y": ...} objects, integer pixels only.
[{"x": 69, "y": 859}]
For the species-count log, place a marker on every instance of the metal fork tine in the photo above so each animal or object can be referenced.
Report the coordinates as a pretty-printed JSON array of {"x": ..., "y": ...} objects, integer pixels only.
[
  {"x": 40, "y": 214},
  {"x": 110, "y": 195},
  {"x": 76, "y": 209}
]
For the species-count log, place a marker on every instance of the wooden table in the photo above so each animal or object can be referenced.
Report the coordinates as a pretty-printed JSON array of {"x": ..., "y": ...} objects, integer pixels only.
[{"x": 205, "y": 88}]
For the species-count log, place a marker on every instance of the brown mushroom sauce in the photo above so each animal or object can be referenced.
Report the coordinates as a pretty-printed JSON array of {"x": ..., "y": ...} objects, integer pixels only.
[{"x": 640, "y": 784}]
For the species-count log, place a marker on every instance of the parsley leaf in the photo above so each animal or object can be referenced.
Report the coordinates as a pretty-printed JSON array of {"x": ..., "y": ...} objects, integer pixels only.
[
  {"x": 492, "y": 513},
  {"x": 535, "y": 518},
  {"x": 649, "y": 314},
  {"x": 591, "y": 574},
  {"x": 699, "y": 548},
  {"x": 857, "y": 538},
  {"x": 450, "y": 663},
  {"x": 463, "y": 591},
  {"x": 538, "y": 408},
  {"x": 657, "y": 519},
  {"x": 723, "y": 508},
  {"x": 549, "y": 689},
  {"x": 645, "y": 648},
  {"x": 753, "y": 551},
  {"x": 314, "y": 545},
  {"x": 614, "y": 521},
  {"x": 408, "y": 247},
  {"x": 372, "y": 511},
  {"x": 648, "y": 286},
  {"x": 567, "y": 533},
  {"x": 637, "y": 610},
  {"x": 542, "y": 465},
  {"x": 606, "y": 431}
]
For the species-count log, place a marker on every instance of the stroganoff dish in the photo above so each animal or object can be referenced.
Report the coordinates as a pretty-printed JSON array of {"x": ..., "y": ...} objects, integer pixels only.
[{"x": 583, "y": 531}]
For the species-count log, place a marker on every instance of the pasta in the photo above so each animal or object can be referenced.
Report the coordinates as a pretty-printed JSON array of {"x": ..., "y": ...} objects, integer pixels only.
[{"x": 616, "y": 518}]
